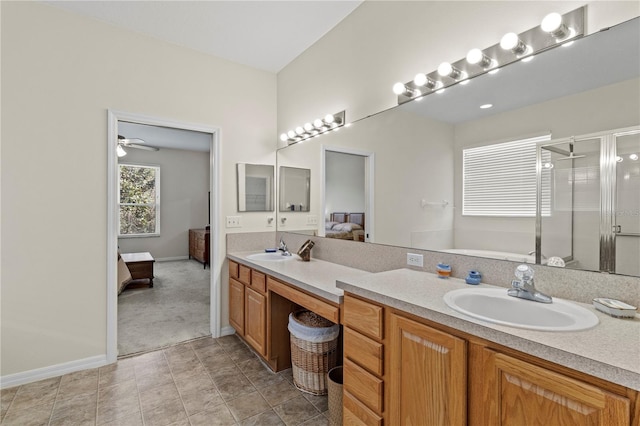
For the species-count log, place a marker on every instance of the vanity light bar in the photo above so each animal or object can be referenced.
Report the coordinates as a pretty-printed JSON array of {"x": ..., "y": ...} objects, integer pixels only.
[
  {"x": 556, "y": 29},
  {"x": 315, "y": 128}
]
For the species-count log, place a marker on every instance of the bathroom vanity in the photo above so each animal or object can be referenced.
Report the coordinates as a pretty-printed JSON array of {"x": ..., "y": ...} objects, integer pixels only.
[
  {"x": 410, "y": 359},
  {"x": 262, "y": 293},
  {"x": 403, "y": 347}
]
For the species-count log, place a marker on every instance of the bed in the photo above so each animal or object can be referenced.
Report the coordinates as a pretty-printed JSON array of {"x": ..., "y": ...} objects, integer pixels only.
[{"x": 345, "y": 226}]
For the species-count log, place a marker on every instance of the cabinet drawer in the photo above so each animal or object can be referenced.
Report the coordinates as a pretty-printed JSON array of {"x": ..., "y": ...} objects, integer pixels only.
[
  {"x": 233, "y": 269},
  {"x": 363, "y": 385},
  {"x": 364, "y": 317},
  {"x": 244, "y": 274},
  {"x": 356, "y": 413},
  {"x": 313, "y": 303},
  {"x": 365, "y": 352},
  {"x": 258, "y": 281}
]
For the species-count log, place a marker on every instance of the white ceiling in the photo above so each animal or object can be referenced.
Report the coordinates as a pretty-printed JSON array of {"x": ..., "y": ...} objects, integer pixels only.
[
  {"x": 165, "y": 137},
  {"x": 262, "y": 34}
]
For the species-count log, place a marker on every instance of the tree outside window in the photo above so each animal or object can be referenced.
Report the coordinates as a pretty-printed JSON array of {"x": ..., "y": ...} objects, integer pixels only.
[{"x": 139, "y": 200}]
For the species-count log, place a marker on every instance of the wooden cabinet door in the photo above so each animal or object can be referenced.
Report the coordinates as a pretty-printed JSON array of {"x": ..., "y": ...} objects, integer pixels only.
[
  {"x": 516, "y": 392},
  {"x": 255, "y": 331},
  {"x": 236, "y": 305},
  {"x": 427, "y": 376}
]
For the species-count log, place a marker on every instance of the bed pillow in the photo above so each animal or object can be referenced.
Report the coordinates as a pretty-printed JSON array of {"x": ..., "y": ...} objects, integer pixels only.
[
  {"x": 329, "y": 225},
  {"x": 346, "y": 227}
]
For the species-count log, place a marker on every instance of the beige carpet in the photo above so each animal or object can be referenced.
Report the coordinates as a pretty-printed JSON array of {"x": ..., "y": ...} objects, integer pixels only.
[{"x": 175, "y": 310}]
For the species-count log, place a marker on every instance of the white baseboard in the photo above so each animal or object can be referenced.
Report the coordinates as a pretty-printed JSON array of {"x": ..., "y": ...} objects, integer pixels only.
[
  {"x": 227, "y": 331},
  {"x": 16, "y": 379},
  {"x": 169, "y": 259}
]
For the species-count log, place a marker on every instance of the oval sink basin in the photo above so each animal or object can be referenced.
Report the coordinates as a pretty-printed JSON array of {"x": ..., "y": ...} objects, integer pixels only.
[
  {"x": 269, "y": 257},
  {"x": 494, "y": 305}
]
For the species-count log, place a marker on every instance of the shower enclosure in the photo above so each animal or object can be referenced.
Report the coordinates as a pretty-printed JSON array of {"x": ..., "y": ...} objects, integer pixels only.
[{"x": 588, "y": 201}]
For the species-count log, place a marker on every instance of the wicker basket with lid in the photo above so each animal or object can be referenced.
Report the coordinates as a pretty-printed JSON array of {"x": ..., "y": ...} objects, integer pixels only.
[{"x": 314, "y": 350}]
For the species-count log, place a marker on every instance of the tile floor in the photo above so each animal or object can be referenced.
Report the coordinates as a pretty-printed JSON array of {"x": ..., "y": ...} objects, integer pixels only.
[{"x": 202, "y": 382}]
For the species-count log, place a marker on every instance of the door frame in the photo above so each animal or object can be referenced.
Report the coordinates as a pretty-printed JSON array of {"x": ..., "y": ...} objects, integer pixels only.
[
  {"x": 114, "y": 117},
  {"x": 369, "y": 186}
]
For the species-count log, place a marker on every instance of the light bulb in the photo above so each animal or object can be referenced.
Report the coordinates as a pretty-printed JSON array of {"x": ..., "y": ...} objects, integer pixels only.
[
  {"x": 477, "y": 57},
  {"x": 552, "y": 22},
  {"x": 317, "y": 123},
  {"x": 511, "y": 41},
  {"x": 291, "y": 134},
  {"x": 445, "y": 69},
  {"x": 420, "y": 79},
  {"x": 548, "y": 166},
  {"x": 633, "y": 157},
  {"x": 619, "y": 159},
  {"x": 399, "y": 88},
  {"x": 299, "y": 130},
  {"x": 485, "y": 106},
  {"x": 329, "y": 118},
  {"x": 284, "y": 137},
  {"x": 120, "y": 152}
]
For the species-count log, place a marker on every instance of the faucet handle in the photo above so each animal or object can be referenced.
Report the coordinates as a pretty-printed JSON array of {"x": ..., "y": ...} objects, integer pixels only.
[{"x": 524, "y": 273}]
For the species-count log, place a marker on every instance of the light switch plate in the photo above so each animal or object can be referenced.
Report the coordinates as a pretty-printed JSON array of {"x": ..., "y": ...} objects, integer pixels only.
[{"x": 234, "y": 222}]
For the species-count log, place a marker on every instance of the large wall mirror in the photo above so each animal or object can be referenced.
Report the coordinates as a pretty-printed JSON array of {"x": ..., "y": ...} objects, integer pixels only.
[
  {"x": 255, "y": 187},
  {"x": 429, "y": 151}
]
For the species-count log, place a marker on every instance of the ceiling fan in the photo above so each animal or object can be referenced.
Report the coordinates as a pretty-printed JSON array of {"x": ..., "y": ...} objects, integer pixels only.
[{"x": 132, "y": 143}]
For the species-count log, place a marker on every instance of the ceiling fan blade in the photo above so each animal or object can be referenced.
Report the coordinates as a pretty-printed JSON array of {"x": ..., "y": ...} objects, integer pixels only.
[{"x": 145, "y": 147}]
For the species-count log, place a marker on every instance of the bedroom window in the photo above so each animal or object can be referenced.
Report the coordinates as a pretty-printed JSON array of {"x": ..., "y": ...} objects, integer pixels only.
[
  {"x": 500, "y": 180},
  {"x": 139, "y": 200}
]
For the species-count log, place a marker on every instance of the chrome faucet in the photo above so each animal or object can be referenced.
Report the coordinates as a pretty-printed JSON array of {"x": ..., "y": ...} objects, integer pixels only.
[
  {"x": 524, "y": 287},
  {"x": 283, "y": 248}
]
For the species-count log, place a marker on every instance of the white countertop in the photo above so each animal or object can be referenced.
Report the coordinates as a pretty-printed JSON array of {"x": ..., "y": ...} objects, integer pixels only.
[
  {"x": 610, "y": 351},
  {"x": 316, "y": 276}
]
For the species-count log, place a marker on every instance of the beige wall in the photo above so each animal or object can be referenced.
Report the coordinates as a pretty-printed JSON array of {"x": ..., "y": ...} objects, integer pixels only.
[
  {"x": 398, "y": 139},
  {"x": 354, "y": 66},
  {"x": 184, "y": 187},
  {"x": 60, "y": 74}
]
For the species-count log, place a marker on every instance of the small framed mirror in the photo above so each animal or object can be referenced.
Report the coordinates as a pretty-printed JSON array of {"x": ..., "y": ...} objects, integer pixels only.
[
  {"x": 255, "y": 187},
  {"x": 294, "y": 189}
]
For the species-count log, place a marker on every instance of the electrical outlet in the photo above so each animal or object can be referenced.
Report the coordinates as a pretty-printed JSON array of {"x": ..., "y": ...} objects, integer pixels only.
[
  {"x": 415, "y": 260},
  {"x": 233, "y": 222},
  {"x": 312, "y": 220}
]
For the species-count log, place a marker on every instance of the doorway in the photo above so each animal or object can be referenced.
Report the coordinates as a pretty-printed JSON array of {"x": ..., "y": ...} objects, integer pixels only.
[
  {"x": 118, "y": 122},
  {"x": 348, "y": 185}
]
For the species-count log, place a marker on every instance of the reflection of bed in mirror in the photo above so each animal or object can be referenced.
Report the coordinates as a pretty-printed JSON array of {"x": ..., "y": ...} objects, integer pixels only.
[{"x": 345, "y": 226}]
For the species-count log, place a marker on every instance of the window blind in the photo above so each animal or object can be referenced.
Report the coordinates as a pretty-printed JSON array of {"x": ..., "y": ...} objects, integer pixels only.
[{"x": 500, "y": 180}]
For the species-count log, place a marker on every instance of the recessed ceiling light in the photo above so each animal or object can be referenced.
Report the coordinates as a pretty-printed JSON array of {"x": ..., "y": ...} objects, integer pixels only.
[{"x": 485, "y": 106}]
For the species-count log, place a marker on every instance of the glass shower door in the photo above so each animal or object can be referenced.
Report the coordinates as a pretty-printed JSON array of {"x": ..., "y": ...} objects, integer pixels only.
[
  {"x": 569, "y": 202},
  {"x": 626, "y": 220}
]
